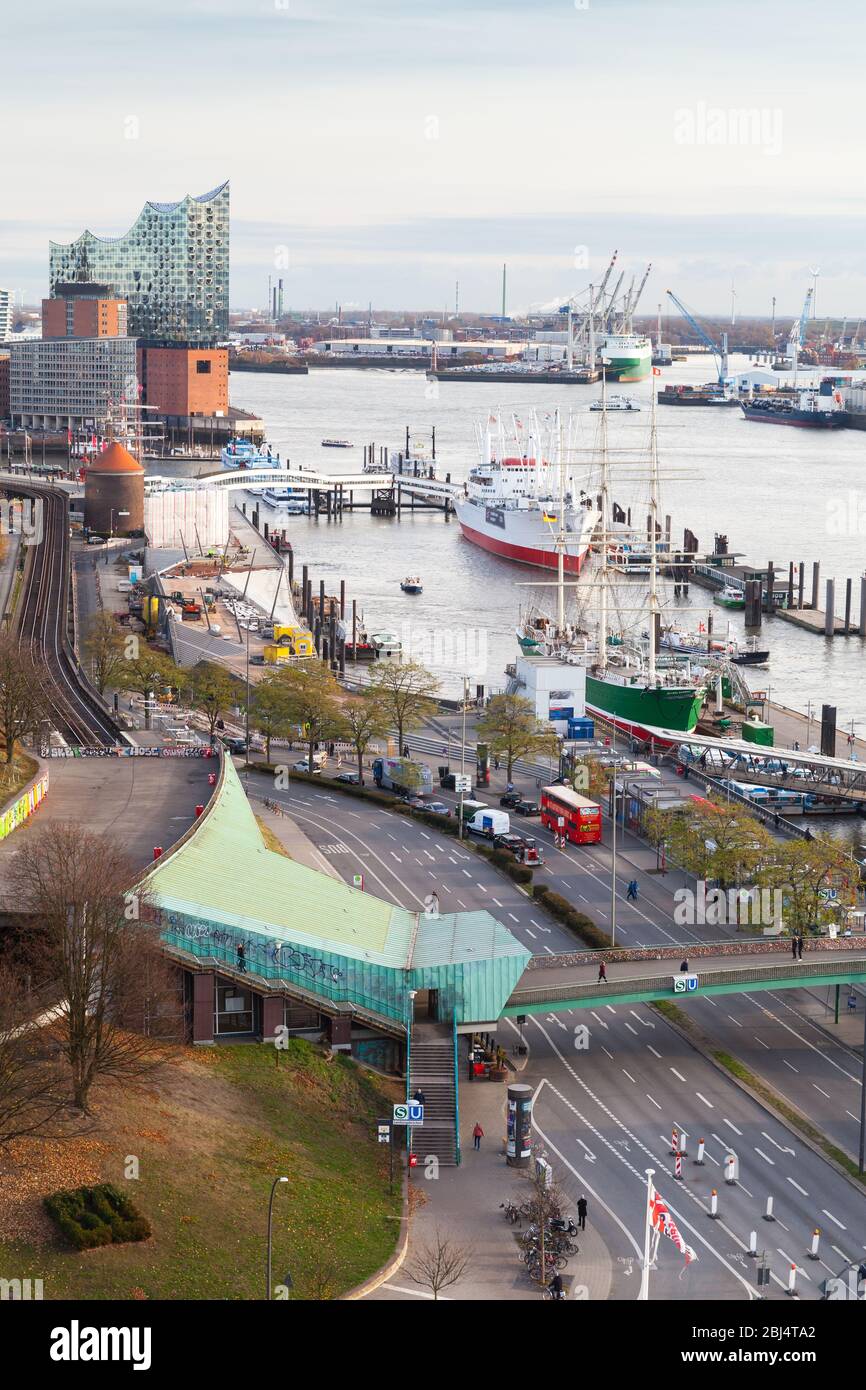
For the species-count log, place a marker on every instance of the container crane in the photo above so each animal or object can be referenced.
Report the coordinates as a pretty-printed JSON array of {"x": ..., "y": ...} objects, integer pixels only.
[
  {"x": 797, "y": 336},
  {"x": 719, "y": 351}
]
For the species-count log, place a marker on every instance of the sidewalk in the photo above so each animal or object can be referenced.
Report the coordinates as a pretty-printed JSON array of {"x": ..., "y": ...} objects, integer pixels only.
[
  {"x": 464, "y": 1203},
  {"x": 292, "y": 838}
]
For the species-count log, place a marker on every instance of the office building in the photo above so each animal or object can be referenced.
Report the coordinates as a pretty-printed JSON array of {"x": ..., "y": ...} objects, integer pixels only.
[{"x": 6, "y": 298}]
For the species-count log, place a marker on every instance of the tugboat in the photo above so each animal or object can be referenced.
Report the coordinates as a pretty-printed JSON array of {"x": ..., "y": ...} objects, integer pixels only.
[{"x": 412, "y": 586}]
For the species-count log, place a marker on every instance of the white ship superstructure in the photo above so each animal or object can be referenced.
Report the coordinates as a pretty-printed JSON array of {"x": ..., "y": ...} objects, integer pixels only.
[{"x": 515, "y": 503}]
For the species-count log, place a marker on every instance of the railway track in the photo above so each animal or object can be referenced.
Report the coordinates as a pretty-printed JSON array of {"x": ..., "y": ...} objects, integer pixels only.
[{"x": 42, "y": 627}]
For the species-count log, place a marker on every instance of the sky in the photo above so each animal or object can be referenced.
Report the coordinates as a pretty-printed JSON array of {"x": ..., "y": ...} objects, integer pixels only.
[{"x": 384, "y": 150}]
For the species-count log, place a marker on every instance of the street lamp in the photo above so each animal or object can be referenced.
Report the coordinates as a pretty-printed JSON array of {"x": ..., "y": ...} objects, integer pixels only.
[
  {"x": 114, "y": 511},
  {"x": 270, "y": 1231},
  {"x": 613, "y": 868},
  {"x": 462, "y": 759}
]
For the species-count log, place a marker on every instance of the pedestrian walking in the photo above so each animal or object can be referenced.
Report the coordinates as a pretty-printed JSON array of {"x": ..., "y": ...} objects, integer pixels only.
[
  {"x": 477, "y": 1135},
  {"x": 684, "y": 967},
  {"x": 632, "y": 890},
  {"x": 602, "y": 973},
  {"x": 799, "y": 948},
  {"x": 794, "y": 947},
  {"x": 242, "y": 959},
  {"x": 581, "y": 1213},
  {"x": 497, "y": 764},
  {"x": 419, "y": 1097}
]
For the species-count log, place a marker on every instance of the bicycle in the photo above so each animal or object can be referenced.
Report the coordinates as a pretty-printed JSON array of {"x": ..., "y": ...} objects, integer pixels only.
[
  {"x": 549, "y": 1293},
  {"x": 511, "y": 1213}
]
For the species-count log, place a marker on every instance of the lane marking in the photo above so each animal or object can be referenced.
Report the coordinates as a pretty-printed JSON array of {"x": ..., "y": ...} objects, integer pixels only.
[
  {"x": 679, "y": 1076},
  {"x": 655, "y": 1102},
  {"x": 653, "y": 1051},
  {"x": 800, "y": 1189},
  {"x": 708, "y": 1103},
  {"x": 765, "y": 1157},
  {"x": 834, "y": 1218},
  {"x": 818, "y": 1088},
  {"x": 732, "y": 1126},
  {"x": 629, "y": 1075}
]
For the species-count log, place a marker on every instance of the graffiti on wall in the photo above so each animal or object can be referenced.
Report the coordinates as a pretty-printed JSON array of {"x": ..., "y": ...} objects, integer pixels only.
[
  {"x": 16, "y": 813},
  {"x": 280, "y": 956}
]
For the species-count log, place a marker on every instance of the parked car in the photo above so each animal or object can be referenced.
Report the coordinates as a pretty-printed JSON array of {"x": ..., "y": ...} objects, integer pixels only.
[
  {"x": 350, "y": 779},
  {"x": 527, "y": 808},
  {"x": 509, "y": 799},
  {"x": 438, "y": 808}
]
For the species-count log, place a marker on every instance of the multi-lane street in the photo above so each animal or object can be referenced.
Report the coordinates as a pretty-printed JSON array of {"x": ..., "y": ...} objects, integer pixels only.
[{"x": 605, "y": 1112}]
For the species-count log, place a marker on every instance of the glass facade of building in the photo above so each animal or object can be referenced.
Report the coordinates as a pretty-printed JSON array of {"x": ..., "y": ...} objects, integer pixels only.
[{"x": 172, "y": 267}]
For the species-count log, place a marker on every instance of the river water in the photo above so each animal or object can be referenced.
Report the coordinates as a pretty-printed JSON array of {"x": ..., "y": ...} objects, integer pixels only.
[{"x": 777, "y": 493}]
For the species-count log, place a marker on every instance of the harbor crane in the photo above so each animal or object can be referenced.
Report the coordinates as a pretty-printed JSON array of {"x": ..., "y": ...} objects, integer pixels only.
[
  {"x": 632, "y": 300},
  {"x": 719, "y": 350},
  {"x": 797, "y": 336}
]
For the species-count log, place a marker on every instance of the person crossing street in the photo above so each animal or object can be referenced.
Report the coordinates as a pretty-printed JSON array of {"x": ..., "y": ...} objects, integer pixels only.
[{"x": 632, "y": 891}]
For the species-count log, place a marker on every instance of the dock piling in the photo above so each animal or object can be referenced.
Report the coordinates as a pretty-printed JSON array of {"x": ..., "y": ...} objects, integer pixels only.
[
  {"x": 816, "y": 574},
  {"x": 800, "y": 577},
  {"x": 830, "y": 609}
]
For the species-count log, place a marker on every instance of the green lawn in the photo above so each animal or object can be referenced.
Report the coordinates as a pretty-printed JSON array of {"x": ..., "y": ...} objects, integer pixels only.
[{"x": 211, "y": 1131}]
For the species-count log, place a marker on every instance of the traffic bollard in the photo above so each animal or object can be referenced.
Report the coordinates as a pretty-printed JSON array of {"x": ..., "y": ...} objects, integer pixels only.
[
  {"x": 792, "y": 1282},
  {"x": 813, "y": 1250},
  {"x": 700, "y": 1158},
  {"x": 682, "y": 1149},
  {"x": 768, "y": 1214},
  {"x": 675, "y": 1142},
  {"x": 714, "y": 1205},
  {"x": 678, "y": 1167},
  {"x": 730, "y": 1170},
  {"x": 753, "y": 1245}
]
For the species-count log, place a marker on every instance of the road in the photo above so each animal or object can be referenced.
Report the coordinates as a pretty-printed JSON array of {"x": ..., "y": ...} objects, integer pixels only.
[{"x": 606, "y": 1113}]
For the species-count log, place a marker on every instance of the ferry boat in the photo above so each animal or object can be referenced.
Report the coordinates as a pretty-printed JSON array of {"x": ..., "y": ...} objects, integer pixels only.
[
  {"x": 386, "y": 644},
  {"x": 242, "y": 453},
  {"x": 516, "y": 505},
  {"x": 616, "y": 403},
  {"x": 730, "y": 598},
  {"x": 288, "y": 499},
  {"x": 412, "y": 586},
  {"x": 337, "y": 444}
]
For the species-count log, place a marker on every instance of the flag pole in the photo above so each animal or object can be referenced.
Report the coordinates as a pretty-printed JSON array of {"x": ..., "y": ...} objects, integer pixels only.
[{"x": 643, "y": 1296}]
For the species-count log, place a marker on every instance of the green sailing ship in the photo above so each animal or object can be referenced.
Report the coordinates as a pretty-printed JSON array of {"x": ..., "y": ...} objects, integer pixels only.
[{"x": 637, "y": 707}]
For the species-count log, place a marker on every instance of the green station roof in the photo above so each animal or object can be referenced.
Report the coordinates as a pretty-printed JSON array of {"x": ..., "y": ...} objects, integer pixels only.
[{"x": 224, "y": 873}]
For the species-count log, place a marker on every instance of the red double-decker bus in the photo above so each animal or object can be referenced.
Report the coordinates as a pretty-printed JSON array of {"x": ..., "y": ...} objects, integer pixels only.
[{"x": 567, "y": 812}]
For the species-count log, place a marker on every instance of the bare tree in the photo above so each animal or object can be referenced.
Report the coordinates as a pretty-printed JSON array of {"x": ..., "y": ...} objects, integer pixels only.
[
  {"x": 20, "y": 694},
  {"x": 406, "y": 691},
  {"x": 103, "y": 649},
  {"x": 34, "y": 1093},
  {"x": 109, "y": 970},
  {"x": 440, "y": 1263}
]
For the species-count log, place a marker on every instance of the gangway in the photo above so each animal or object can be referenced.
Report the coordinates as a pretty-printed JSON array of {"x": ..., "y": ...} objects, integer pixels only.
[{"x": 794, "y": 769}]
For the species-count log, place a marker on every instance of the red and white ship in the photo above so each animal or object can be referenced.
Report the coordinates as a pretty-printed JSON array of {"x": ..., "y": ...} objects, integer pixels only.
[{"x": 517, "y": 506}]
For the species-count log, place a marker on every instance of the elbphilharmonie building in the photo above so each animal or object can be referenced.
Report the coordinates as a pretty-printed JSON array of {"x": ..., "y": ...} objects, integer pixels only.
[{"x": 172, "y": 267}]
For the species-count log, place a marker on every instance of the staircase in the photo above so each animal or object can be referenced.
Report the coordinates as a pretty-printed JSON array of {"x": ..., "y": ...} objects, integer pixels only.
[{"x": 431, "y": 1070}]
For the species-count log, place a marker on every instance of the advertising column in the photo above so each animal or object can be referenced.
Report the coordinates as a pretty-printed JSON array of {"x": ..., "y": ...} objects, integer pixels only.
[{"x": 519, "y": 1126}]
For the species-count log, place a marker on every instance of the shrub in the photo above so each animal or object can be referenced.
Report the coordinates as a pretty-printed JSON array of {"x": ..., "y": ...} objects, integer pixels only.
[
  {"x": 93, "y": 1216},
  {"x": 578, "y": 922}
]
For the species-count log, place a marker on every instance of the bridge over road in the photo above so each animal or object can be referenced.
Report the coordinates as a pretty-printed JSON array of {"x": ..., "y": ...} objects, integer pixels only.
[{"x": 658, "y": 976}]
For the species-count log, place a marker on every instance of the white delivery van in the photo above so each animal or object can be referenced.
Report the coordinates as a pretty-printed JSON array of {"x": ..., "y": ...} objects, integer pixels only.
[{"x": 489, "y": 823}]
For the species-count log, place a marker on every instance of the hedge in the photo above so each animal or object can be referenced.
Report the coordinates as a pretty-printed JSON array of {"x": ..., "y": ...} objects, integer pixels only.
[
  {"x": 94, "y": 1216},
  {"x": 578, "y": 922}
]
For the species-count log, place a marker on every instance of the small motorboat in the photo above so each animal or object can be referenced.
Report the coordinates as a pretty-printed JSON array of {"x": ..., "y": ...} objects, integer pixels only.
[
  {"x": 337, "y": 444},
  {"x": 730, "y": 598},
  {"x": 412, "y": 585}
]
